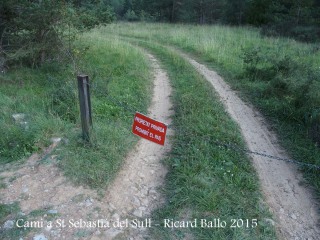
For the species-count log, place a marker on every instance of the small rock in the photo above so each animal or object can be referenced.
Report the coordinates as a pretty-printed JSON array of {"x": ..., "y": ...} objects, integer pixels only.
[
  {"x": 142, "y": 209},
  {"x": 111, "y": 207},
  {"x": 270, "y": 221},
  {"x": 145, "y": 202},
  {"x": 19, "y": 117},
  {"x": 89, "y": 202},
  {"x": 55, "y": 140},
  {"x": 138, "y": 213},
  {"x": 116, "y": 216},
  {"x": 39, "y": 237},
  {"x": 135, "y": 201},
  {"x": 293, "y": 216},
  {"x": 112, "y": 233},
  {"x": 48, "y": 228},
  {"x": 55, "y": 232},
  {"x": 140, "y": 174},
  {"x": 152, "y": 192},
  {"x": 52, "y": 211},
  {"x": 94, "y": 238},
  {"x": 8, "y": 224}
]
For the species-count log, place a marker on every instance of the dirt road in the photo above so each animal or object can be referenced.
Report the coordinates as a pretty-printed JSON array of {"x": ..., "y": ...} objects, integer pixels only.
[
  {"x": 133, "y": 195},
  {"x": 292, "y": 205},
  {"x": 136, "y": 191}
]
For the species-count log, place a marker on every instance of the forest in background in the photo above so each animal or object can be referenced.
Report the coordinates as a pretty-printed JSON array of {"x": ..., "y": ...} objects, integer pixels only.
[
  {"x": 33, "y": 30},
  {"x": 299, "y": 19}
]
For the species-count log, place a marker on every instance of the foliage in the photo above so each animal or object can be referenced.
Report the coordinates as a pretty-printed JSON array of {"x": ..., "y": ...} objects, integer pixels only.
[
  {"x": 33, "y": 32},
  {"x": 289, "y": 81},
  {"x": 15, "y": 142},
  {"x": 91, "y": 15},
  {"x": 131, "y": 16},
  {"x": 263, "y": 64}
]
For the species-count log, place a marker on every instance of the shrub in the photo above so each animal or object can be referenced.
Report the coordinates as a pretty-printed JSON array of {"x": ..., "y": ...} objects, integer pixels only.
[
  {"x": 15, "y": 142},
  {"x": 264, "y": 64},
  {"x": 292, "y": 87}
]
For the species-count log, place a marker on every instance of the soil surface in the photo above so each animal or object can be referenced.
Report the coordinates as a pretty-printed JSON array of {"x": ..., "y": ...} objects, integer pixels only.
[
  {"x": 293, "y": 206},
  {"x": 122, "y": 212}
]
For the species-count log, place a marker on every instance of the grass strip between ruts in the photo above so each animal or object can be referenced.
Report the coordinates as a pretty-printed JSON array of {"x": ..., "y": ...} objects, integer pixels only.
[{"x": 206, "y": 182}]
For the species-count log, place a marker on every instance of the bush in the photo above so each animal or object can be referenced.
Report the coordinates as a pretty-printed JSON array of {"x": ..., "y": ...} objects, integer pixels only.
[
  {"x": 264, "y": 64},
  {"x": 292, "y": 87},
  {"x": 15, "y": 142}
]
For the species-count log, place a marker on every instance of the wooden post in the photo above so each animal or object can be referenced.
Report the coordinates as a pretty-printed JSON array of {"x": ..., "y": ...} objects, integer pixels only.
[{"x": 85, "y": 106}]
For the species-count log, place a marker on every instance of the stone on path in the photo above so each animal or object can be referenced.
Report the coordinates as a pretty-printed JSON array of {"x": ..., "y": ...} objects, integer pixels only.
[
  {"x": 39, "y": 237},
  {"x": 8, "y": 224}
]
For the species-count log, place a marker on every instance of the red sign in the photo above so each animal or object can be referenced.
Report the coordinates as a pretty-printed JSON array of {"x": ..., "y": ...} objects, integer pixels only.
[{"x": 148, "y": 128}]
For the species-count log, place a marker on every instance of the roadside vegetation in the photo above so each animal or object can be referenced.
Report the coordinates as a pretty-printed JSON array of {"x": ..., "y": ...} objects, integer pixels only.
[
  {"x": 280, "y": 76},
  {"x": 48, "y": 98}
]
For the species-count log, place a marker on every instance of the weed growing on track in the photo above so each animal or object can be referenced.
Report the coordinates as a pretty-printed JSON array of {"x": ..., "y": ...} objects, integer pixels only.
[
  {"x": 280, "y": 76},
  {"x": 206, "y": 181}
]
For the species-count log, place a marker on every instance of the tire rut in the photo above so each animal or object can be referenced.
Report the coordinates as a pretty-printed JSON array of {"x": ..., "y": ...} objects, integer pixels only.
[
  {"x": 293, "y": 206},
  {"x": 133, "y": 195}
]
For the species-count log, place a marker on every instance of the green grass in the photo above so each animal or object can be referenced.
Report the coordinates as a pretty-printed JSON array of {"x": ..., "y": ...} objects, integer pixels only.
[
  {"x": 119, "y": 74},
  {"x": 205, "y": 181},
  {"x": 11, "y": 212},
  {"x": 280, "y": 76},
  {"x": 48, "y": 97}
]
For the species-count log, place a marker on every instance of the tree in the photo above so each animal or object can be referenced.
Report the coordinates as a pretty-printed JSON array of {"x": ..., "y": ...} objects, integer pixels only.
[
  {"x": 257, "y": 12},
  {"x": 235, "y": 11},
  {"x": 294, "y": 19},
  {"x": 34, "y": 31}
]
